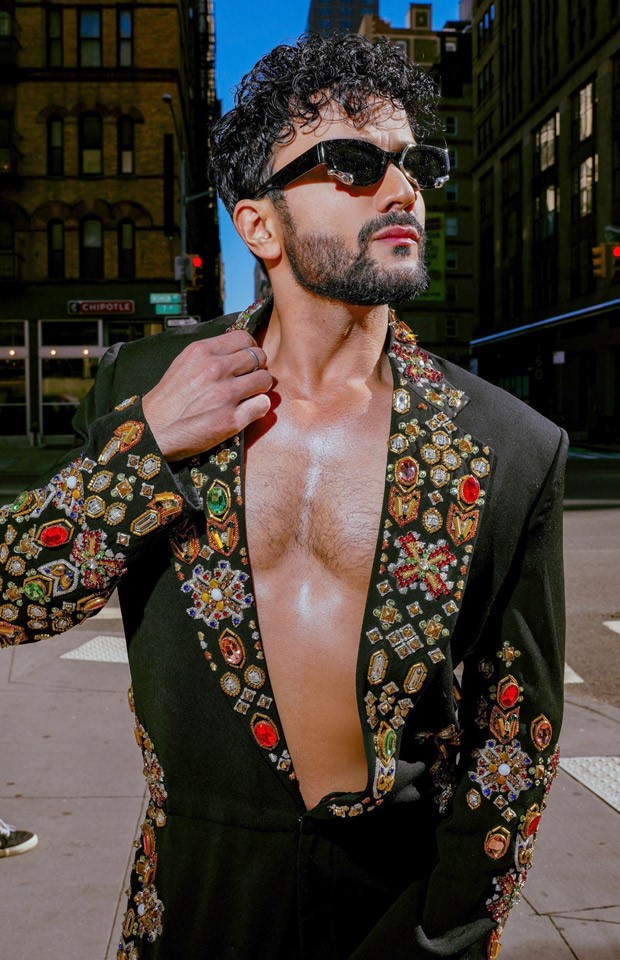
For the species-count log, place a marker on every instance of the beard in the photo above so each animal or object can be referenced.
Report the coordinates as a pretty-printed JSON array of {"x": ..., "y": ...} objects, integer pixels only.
[{"x": 324, "y": 265}]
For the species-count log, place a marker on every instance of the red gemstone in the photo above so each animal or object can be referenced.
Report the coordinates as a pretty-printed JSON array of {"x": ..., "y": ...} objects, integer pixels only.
[
  {"x": 54, "y": 536},
  {"x": 509, "y": 695},
  {"x": 470, "y": 489},
  {"x": 532, "y": 825},
  {"x": 266, "y": 734}
]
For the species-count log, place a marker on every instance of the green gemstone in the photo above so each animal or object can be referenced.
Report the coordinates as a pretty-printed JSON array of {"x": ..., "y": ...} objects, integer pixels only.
[
  {"x": 389, "y": 743},
  {"x": 34, "y": 591},
  {"x": 218, "y": 500},
  {"x": 21, "y": 500}
]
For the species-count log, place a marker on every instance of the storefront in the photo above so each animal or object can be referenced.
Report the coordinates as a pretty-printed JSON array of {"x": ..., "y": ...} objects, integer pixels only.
[{"x": 48, "y": 366}]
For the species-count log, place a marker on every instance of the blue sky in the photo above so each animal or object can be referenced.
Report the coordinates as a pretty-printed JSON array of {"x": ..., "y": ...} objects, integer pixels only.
[{"x": 242, "y": 37}]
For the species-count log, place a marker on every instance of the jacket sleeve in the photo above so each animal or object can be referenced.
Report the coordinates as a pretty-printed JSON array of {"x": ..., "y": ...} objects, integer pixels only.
[
  {"x": 65, "y": 544},
  {"x": 510, "y": 714}
]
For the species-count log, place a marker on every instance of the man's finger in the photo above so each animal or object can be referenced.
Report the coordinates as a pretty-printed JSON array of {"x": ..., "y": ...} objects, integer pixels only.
[
  {"x": 230, "y": 342},
  {"x": 252, "y": 409},
  {"x": 257, "y": 382},
  {"x": 247, "y": 360}
]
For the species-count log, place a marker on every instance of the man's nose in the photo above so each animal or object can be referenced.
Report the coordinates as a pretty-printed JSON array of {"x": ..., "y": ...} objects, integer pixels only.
[{"x": 395, "y": 190}]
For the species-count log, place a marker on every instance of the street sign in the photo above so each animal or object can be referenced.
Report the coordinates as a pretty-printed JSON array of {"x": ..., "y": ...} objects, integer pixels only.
[
  {"x": 99, "y": 307},
  {"x": 165, "y": 308},
  {"x": 181, "y": 321},
  {"x": 164, "y": 297}
]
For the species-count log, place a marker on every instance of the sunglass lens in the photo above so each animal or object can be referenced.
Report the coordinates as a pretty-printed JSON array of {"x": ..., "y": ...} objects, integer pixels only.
[
  {"x": 362, "y": 160},
  {"x": 426, "y": 165}
]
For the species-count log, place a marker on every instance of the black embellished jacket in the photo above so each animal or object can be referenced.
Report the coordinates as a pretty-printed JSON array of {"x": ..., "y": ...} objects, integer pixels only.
[{"x": 467, "y": 575}]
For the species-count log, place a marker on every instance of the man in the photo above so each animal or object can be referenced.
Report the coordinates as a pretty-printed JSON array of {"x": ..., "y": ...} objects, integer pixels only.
[{"x": 295, "y": 597}]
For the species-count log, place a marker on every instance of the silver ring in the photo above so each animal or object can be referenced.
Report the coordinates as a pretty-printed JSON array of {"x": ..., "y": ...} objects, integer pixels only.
[{"x": 255, "y": 355}]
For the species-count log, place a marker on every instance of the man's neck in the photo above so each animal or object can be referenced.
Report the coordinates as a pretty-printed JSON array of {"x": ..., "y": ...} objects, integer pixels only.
[{"x": 320, "y": 345}]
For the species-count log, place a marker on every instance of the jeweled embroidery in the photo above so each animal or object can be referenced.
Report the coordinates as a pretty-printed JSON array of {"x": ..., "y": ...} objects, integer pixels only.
[
  {"x": 218, "y": 594},
  {"x": 143, "y": 917}
]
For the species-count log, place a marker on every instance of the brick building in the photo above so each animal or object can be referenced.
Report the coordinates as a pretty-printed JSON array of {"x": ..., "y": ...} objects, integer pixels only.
[
  {"x": 339, "y": 16},
  {"x": 87, "y": 226},
  {"x": 546, "y": 190},
  {"x": 443, "y": 317}
]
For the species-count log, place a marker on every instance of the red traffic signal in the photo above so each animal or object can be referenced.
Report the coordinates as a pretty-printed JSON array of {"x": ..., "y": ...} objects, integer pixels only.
[{"x": 196, "y": 278}]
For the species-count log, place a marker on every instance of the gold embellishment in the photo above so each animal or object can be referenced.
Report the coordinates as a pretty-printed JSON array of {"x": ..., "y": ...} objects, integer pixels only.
[
  {"x": 415, "y": 678},
  {"x": 94, "y": 507},
  {"x": 403, "y": 507},
  {"x": 377, "y": 667},
  {"x": 496, "y": 843},
  {"x": 223, "y": 537},
  {"x": 541, "y": 732}
]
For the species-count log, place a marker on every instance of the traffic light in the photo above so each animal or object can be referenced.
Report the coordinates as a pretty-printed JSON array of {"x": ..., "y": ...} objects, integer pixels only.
[
  {"x": 614, "y": 265},
  {"x": 196, "y": 277},
  {"x": 599, "y": 260}
]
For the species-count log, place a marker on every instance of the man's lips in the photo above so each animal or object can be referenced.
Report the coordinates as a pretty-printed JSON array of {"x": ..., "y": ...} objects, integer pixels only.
[{"x": 398, "y": 235}]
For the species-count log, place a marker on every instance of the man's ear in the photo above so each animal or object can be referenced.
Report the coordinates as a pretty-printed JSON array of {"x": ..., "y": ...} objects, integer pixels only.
[{"x": 254, "y": 222}]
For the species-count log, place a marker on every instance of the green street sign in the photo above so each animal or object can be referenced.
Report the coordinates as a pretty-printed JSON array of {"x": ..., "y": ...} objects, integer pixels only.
[
  {"x": 164, "y": 297},
  {"x": 167, "y": 308}
]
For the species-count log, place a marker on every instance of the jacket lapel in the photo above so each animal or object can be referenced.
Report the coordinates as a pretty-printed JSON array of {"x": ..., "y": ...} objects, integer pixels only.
[{"x": 434, "y": 498}]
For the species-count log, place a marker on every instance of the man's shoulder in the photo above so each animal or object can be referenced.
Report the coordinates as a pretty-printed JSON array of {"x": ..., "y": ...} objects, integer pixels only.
[{"x": 506, "y": 423}]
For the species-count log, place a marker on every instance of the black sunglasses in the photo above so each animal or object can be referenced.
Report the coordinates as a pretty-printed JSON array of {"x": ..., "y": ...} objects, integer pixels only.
[{"x": 361, "y": 163}]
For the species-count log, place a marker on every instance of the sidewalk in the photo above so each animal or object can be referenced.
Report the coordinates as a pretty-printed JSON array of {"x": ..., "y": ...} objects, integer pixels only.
[{"x": 71, "y": 771}]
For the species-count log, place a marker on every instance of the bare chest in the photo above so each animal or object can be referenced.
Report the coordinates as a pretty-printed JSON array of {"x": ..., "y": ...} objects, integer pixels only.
[{"x": 317, "y": 495}]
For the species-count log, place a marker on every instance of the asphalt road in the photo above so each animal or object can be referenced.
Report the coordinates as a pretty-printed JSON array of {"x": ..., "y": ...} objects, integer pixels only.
[{"x": 592, "y": 564}]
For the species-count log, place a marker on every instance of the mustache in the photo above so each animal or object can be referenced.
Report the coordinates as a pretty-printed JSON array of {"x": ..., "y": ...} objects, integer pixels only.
[{"x": 396, "y": 218}]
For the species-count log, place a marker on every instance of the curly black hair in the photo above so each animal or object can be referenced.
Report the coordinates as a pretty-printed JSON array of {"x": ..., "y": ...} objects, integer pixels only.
[{"x": 294, "y": 83}]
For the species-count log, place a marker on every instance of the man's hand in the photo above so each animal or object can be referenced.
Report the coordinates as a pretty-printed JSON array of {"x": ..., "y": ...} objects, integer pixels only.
[{"x": 209, "y": 392}]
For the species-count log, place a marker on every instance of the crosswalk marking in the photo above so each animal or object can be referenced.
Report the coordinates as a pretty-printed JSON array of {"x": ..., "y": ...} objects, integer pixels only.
[
  {"x": 109, "y": 613},
  {"x": 570, "y": 676},
  {"x": 105, "y": 649},
  {"x": 613, "y": 625},
  {"x": 600, "y": 774}
]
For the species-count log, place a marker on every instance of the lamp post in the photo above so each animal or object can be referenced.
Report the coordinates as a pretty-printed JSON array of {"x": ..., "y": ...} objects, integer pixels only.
[{"x": 167, "y": 98}]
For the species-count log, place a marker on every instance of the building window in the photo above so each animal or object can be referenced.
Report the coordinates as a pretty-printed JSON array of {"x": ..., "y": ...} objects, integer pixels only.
[
  {"x": 583, "y": 113},
  {"x": 451, "y": 125},
  {"x": 452, "y": 260},
  {"x": 54, "y": 37},
  {"x": 7, "y": 250},
  {"x": 585, "y": 176},
  {"x": 91, "y": 144},
  {"x": 126, "y": 146},
  {"x": 7, "y": 151},
  {"x": 55, "y": 147},
  {"x": 89, "y": 40},
  {"x": 91, "y": 248},
  {"x": 452, "y": 329},
  {"x": 451, "y": 192},
  {"x": 452, "y": 295},
  {"x": 546, "y": 209},
  {"x": 582, "y": 280},
  {"x": 546, "y": 138},
  {"x": 126, "y": 249},
  {"x": 453, "y": 156},
  {"x": 55, "y": 250},
  {"x": 124, "y": 37},
  {"x": 452, "y": 226}
]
